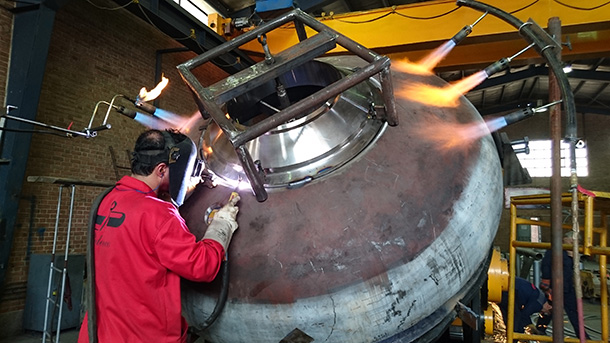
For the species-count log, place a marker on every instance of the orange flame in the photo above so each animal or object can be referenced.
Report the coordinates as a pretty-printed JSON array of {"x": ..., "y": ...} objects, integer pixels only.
[
  {"x": 437, "y": 55},
  {"x": 426, "y": 64},
  {"x": 407, "y": 66},
  {"x": 441, "y": 96},
  {"x": 155, "y": 92},
  {"x": 447, "y": 135}
]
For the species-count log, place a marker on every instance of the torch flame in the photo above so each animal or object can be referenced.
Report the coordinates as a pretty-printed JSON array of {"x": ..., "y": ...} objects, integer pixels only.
[
  {"x": 155, "y": 92},
  {"x": 441, "y": 96},
  {"x": 409, "y": 67},
  {"x": 450, "y": 135},
  {"x": 426, "y": 64}
]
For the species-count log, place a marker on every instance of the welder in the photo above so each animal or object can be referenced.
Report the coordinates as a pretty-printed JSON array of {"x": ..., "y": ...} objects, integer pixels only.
[
  {"x": 140, "y": 246},
  {"x": 528, "y": 300},
  {"x": 569, "y": 292}
]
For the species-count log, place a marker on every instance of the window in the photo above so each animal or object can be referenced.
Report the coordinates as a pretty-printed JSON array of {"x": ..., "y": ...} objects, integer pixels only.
[
  {"x": 538, "y": 161},
  {"x": 197, "y": 8}
]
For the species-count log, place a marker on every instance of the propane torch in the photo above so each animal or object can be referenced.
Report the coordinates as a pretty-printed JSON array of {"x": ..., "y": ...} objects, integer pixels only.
[
  {"x": 502, "y": 63},
  {"x": 513, "y": 117},
  {"x": 465, "y": 31}
]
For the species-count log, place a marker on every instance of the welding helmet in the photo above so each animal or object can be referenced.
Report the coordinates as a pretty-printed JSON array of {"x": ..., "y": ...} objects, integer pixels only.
[
  {"x": 182, "y": 162},
  {"x": 180, "y": 155}
]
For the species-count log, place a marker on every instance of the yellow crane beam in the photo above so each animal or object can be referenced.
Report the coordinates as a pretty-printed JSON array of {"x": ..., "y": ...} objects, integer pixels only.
[{"x": 412, "y": 31}]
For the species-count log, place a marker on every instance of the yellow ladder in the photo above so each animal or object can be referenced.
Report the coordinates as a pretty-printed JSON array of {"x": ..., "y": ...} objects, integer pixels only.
[{"x": 591, "y": 202}]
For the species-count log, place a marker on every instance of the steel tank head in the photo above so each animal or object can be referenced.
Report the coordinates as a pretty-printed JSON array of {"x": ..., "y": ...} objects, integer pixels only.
[{"x": 370, "y": 233}]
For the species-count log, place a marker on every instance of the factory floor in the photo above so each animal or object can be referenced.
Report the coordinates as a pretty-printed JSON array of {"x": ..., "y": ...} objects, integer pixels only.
[
  {"x": 591, "y": 310},
  {"x": 592, "y": 317}
]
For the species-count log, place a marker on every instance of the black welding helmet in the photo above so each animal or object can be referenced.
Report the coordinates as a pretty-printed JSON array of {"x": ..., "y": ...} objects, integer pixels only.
[
  {"x": 180, "y": 155},
  {"x": 182, "y": 160}
]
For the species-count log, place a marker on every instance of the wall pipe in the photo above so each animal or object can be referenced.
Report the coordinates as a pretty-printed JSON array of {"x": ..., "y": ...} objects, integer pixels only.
[{"x": 556, "y": 205}]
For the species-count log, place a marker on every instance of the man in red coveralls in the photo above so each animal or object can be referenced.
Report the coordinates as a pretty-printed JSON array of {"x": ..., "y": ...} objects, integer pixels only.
[{"x": 142, "y": 246}]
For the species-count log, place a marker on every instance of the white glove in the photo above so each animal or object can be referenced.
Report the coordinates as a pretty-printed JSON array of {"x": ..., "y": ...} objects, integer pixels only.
[{"x": 224, "y": 223}]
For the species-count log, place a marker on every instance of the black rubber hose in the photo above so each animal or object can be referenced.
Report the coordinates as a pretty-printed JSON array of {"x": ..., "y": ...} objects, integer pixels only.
[
  {"x": 92, "y": 315},
  {"x": 222, "y": 297},
  {"x": 542, "y": 47}
]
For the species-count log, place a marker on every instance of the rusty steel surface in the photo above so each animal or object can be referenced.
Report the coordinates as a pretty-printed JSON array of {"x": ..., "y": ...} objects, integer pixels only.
[
  {"x": 383, "y": 245},
  {"x": 380, "y": 211}
]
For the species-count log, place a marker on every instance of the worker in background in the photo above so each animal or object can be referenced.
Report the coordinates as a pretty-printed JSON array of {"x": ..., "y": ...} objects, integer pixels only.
[
  {"x": 528, "y": 300},
  {"x": 569, "y": 292},
  {"x": 142, "y": 246}
]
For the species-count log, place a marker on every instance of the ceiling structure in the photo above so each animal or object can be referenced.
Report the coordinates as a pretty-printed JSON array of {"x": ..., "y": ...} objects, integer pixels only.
[{"x": 524, "y": 83}]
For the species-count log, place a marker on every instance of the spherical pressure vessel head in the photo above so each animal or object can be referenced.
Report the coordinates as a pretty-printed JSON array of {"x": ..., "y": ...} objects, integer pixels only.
[{"x": 370, "y": 233}]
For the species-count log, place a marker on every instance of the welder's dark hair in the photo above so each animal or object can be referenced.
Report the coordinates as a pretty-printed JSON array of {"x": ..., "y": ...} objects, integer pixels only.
[{"x": 150, "y": 150}]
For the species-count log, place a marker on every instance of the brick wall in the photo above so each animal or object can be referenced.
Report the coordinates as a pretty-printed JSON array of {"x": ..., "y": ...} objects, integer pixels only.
[{"x": 94, "y": 55}]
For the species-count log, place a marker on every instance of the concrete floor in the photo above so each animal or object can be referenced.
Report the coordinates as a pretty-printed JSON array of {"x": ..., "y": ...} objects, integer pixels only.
[
  {"x": 591, "y": 309},
  {"x": 66, "y": 336}
]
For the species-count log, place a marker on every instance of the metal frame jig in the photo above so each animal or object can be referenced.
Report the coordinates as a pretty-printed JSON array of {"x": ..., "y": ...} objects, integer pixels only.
[{"x": 210, "y": 99}]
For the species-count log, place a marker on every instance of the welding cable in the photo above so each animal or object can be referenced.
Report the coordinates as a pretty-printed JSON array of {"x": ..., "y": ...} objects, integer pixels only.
[
  {"x": 393, "y": 11},
  {"x": 110, "y": 8},
  {"x": 582, "y": 8},
  {"x": 222, "y": 297},
  {"x": 428, "y": 18},
  {"x": 90, "y": 265},
  {"x": 364, "y": 21},
  {"x": 524, "y": 7}
]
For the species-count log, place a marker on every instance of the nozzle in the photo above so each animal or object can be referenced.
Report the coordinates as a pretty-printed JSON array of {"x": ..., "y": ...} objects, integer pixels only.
[
  {"x": 463, "y": 33},
  {"x": 503, "y": 63},
  {"x": 496, "y": 67},
  {"x": 146, "y": 107},
  {"x": 126, "y": 112},
  {"x": 519, "y": 115}
]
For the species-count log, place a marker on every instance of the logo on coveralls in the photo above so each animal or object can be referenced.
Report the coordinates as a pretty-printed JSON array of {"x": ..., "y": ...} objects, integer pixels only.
[{"x": 114, "y": 219}]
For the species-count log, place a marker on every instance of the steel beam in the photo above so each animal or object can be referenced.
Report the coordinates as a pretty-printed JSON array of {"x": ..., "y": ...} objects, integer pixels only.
[
  {"x": 32, "y": 28},
  {"x": 177, "y": 23},
  {"x": 397, "y": 36},
  {"x": 541, "y": 71}
]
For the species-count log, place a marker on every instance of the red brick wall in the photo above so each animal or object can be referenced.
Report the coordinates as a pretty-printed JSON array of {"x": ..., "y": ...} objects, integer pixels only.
[{"x": 94, "y": 55}]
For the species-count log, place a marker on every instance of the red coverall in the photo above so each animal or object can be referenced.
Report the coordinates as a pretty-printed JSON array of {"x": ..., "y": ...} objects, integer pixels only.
[{"x": 142, "y": 249}]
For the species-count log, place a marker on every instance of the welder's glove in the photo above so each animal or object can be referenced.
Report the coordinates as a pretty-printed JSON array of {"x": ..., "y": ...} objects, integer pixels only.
[{"x": 224, "y": 223}]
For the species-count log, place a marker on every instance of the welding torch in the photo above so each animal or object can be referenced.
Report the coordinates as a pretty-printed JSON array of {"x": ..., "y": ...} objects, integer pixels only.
[
  {"x": 527, "y": 112},
  {"x": 502, "y": 63},
  {"x": 132, "y": 113},
  {"x": 126, "y": 112},
  {"x": 146, "y": 107},
  {"x": 465, "y": 31}
]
